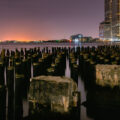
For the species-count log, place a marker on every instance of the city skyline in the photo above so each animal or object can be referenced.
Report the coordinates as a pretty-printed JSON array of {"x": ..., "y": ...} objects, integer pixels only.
[
  {"x": 110, "y": 27},
  {"x": 48, "y": 20}
]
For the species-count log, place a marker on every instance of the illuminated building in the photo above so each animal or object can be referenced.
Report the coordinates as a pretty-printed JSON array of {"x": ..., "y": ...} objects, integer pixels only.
[
  {"x": 116, "y": 20},
  {"x": 110, "y": 28},
  {"x": 87, "y": 39},
  {"x": 76, "y": 38},
  {"x": 101, "y": 30},
  {"x": 79, "y": 38},
  {"x": 105, "y": 31},
  {"x": 105, "y": 28},
  {"x": 108, "y": 11}
]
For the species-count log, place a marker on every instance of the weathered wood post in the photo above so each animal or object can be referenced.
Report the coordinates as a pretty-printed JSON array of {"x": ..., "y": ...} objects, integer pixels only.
[
  {"x": 2, "y": 103},
  {"x": 10, "y": 85},
  {"x": 50, "y": 72},
  {"x": 74, "y": 72},
  {"x": 36, "y": 69},
  {"x": 18, "y": 68},
  {"x": 76, "y": 106},
  {"x": 26, "y": 68},
  {"x": 19, "y": 80},
  {"x": 2, "y": 79}
]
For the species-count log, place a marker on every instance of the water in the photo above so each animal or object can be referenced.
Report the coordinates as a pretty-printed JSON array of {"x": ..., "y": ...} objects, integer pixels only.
[
  {"x": 88, "y": 112},
  {"x": 12, "y": 46},
  {"x": 81, "y": 89}
]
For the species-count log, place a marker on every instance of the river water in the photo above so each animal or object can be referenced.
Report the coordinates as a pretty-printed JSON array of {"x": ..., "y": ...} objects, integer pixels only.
[
  {"x": 81, "y": 89},
  {"x": 86, "y": 113}
]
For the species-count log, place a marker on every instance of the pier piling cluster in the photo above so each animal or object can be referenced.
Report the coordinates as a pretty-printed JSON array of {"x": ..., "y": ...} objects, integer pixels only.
[{"x": 18, "y": 66}]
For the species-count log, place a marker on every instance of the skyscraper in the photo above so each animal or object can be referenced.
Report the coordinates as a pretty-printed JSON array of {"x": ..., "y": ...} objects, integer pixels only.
[
  {"x": 111, "y": 25},
  {"x": 116, "y": 20},
  {"x": 105, "y": 28},
  {"x": 108, "y": 11}
]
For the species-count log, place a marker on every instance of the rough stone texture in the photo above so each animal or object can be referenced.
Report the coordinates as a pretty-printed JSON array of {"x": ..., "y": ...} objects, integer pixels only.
[
  {"x": 56, "y": 92},
  {"x": 108, "y": 75}
]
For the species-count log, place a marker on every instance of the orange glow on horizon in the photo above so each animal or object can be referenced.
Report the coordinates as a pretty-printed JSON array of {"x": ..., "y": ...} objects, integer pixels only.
[
  {"x": 16, "y": 37},
  {"x": 23, "y": 39},
  {"x": 26, "y": 34}
]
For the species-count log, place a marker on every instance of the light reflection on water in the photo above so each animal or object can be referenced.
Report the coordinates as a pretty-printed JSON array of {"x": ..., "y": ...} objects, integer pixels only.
[
  {"x": 25, "y": 108},
  {"x": 67, "y": 71},
  {"x": 81, "y": 88},
  {"x": 12, "y": 46},
  {"x": 81, "y": 85}
]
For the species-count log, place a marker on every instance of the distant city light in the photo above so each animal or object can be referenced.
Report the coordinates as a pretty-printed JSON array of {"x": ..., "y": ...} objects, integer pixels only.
[
  {"x": 114, "y": 39},
  {"x": 76, "y": 40},
  {"x": 80, "y": 36},
  {"x": 70, "y": 40}
]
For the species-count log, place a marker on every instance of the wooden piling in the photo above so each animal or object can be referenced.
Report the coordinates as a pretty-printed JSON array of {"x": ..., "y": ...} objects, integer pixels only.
[
  {"x": 2, "y": 103},
  {"x": 2, "y": 79},
  {"x": 10, "y": 86},
  {"x": 19, "y": 80}
]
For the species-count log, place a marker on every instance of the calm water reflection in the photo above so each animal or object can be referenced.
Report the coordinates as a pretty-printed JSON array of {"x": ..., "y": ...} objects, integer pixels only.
[
  {"x": 81, "y": 88},
  {"x": 99, "y": 103}
]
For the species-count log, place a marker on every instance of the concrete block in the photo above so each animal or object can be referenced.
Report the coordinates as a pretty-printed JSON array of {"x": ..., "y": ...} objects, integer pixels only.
[
  {"x": 108, "y": 75},
  {"x": 56, "y": 92}
]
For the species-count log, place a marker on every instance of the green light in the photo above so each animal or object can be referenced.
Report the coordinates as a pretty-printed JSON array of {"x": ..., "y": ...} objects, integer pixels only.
[{"x": 57, "y": 40}]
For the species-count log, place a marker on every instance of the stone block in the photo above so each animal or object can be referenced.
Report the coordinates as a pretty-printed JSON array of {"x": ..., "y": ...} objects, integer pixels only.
[
  {"x": 108, "y": 75},
  {"x": 56, "y": 92}
]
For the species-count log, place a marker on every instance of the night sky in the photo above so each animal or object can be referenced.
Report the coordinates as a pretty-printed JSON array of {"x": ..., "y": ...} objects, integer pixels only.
[{"x": 49, "y": 19}]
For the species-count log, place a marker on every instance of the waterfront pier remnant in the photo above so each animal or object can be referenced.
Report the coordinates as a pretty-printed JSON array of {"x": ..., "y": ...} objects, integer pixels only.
[
  {"x": 2, "y": 102},
  {"x": 108, "y": 75},
  {"x": 57, "y": 93}
]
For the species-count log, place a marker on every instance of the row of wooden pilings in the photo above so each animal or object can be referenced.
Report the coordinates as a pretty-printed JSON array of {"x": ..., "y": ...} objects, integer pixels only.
[
  {"x": 58, "y": 66},
  {"x": 16, "y": 66},
  {"x": 73, "y": 66},
  {"x": 83, "y": 61},
  {"x": 16, "y": 69},
  {"x": 90, "y": 57}
]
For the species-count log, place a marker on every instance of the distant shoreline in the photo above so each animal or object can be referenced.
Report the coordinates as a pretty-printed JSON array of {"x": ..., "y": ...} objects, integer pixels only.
[
  {"x": 13, "y": 46},
  {"x": 61, "y": 43}
]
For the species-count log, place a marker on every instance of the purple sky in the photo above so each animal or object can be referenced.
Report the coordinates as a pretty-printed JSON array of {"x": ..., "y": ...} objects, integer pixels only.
[{"x": 49, "y": 19}]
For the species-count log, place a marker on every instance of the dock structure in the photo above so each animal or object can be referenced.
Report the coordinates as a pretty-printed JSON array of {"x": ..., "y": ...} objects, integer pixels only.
[
  {"x": 2, "y": 103},
  {"x": 48, "y": 88},
  {"x": 100, "y": 66},
  {"x": 57, "y": 94},
  {"x": 108, "y": 75}
]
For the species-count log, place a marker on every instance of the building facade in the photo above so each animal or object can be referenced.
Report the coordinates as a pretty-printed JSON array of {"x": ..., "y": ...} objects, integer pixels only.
[
  {"x": 101, "y": 30},
  {"x": 105, "y": 31},
  {"x": 116, "y": 19},
  {"x": 76, "y": 38},
  {"x": 87, "y": 39},
  {"x": 110, "y": 30},
  {"x": 108, "y": 11},
  {"x": 79, "y": 38}
]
